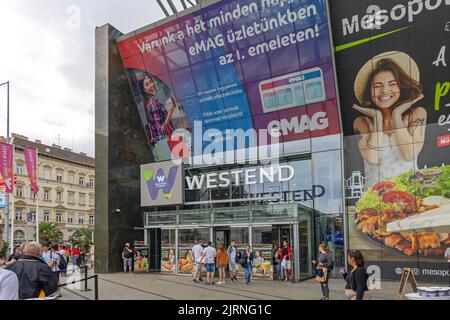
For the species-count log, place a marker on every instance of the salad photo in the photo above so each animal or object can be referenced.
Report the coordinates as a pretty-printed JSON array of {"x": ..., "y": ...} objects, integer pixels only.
[{"x": 410, "y": 194}]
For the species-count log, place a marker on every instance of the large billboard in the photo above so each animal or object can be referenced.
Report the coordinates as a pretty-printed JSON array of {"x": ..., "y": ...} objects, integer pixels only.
[
  {"x": 259, "y": 65},
  {"x": 393, "y": 66}
]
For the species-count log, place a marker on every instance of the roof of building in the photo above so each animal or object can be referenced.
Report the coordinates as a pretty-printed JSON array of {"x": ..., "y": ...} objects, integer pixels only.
[{"x": 54, "y": 151}]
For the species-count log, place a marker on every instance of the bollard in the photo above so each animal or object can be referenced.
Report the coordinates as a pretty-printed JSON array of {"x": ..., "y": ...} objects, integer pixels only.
[
  {"x": 96, "y": 286},
  {"x": 85, "y": 280}
]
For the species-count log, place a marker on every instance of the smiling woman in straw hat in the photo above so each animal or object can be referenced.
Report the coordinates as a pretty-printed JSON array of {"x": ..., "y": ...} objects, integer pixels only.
[{"x": 392, "y": 130}]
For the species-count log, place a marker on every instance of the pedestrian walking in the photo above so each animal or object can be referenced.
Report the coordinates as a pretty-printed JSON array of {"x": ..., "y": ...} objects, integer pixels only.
[
  {"x": 286, "y": 259},
  {"x": 246, "y": 262},
  {"x": 75, "y": 254},
  {"x": 35, "y": 276},
  {"x": 197, "y": 250},
  {"x": 356, "y": 281},
  {"x": 233, "y": 260},
  {"x": 91, "y": 255},
  {"x": 222, "y": 261},
  {"x": 210, "y": 254},
  {"x": 64, "y": 254},
  {"x": 127, "y": 257},
  {"x": 9, "y": 284},
  {"x": 324, "y": 265}
]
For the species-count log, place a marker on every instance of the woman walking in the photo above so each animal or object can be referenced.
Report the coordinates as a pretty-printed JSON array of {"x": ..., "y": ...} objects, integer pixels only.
[
  {"x": 356, "y": 288},
  {"x": 247, "y": 259},
  {"x": 222, "y": 261},
  {"x": 324, "y": 265}
]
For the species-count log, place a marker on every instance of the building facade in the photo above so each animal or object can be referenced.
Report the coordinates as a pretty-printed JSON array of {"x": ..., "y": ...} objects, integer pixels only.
[
  {"x": 306, "y": 72},
  {"x": 66, "y": 191}
]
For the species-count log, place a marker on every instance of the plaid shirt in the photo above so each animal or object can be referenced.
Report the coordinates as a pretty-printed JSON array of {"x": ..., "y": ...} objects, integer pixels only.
[{"x": 156, "y": 116}]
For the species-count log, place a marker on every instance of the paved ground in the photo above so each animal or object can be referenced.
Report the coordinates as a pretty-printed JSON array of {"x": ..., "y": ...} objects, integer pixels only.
[{"x": 131, "y": 286}]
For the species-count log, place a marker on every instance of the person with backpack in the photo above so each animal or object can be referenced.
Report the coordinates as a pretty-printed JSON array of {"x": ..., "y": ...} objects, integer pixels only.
[
  {"x": 324, "y": 266},
  {"x": 59, "y": 263}
]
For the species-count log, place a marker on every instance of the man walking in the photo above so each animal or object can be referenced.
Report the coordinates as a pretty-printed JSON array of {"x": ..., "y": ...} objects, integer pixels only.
[
  {"x": 197, "y": 250},
  {"x": 232, "y": 260},
  {"x": 210, "y": 259},
  {"x": 127, "y": 256},
  {"x": 35, "y": 276}
]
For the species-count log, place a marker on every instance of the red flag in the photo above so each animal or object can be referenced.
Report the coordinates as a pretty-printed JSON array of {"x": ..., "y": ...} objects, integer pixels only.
[
  {"x": 6, "y": 166},
  {"x": 30, "y": 161}
]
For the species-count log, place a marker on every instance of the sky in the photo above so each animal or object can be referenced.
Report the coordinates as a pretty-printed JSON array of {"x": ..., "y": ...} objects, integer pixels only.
[{"x": 48, "y": 55}]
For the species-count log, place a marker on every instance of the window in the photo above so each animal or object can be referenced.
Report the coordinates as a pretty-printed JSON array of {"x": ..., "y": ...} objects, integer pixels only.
[
  {"x": 70, "y": 218},
  {"x": 91, "y": 183},
  {"x": 32, "y": 194},
  {"x": 47, "y": 173},
  {"x": 81, "y": 219},
  {"x": 91, "y": 201},
  {"x": 82, "y": 181},
  {"x": 32, "y": 216},
  {"x": 19, "y": 192},
  {"x": 19, "y": 214},
  {"x": 71, "y": 197},
  {"x": 82, "y": 199},
  {"x": 19, "y": 170},
  {"x": 91, "y": 220},
  {"x": 59, "y": 175},
  {"x": 47, "y": 194},
  {"x": 59, "y": 197},
  {"x": 71, "y": 177},
  {"x": 46, "y": 216},
  {"x": 58, "y": 217}
]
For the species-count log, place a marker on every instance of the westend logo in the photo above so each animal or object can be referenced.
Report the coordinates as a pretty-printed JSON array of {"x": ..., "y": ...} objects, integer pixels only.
[{"x": 160, "y": 182}]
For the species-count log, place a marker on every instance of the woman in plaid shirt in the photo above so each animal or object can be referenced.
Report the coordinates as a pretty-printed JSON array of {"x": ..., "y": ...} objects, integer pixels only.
[{"x": 159, "y": 124}]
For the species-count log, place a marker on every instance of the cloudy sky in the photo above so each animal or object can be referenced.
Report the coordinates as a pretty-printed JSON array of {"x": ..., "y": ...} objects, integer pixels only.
[{"x": 48, "y": 55}]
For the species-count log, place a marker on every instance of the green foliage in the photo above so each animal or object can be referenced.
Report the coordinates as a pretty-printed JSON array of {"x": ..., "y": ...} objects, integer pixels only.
[
  {"x": 49, "y": 230},
  {"x": 4, "y": 250},
  {"x": 82, "y": 237}
]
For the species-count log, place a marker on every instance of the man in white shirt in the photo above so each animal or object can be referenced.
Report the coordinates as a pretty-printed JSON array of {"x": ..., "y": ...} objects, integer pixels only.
[
  {"x": 197, "y": 250},
  {"x": 210, "y": 257},
  {"x": 447, "y": 256},
  {"x": 9, "y": 284}
]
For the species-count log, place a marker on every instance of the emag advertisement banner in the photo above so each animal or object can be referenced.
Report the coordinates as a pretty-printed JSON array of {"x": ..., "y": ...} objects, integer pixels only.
[
  {"x": 31, "y": 163},
  {"x": 249, "y": 64},
  {"x": 393, "y": 61}
]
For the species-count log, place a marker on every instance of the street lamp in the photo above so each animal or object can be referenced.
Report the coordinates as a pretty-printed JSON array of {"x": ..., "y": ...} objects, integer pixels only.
[{"x": 6, "y": 228}]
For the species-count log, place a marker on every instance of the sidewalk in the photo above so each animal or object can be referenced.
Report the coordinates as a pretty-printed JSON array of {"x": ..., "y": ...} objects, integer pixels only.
[{"x": 120, "y": 286}]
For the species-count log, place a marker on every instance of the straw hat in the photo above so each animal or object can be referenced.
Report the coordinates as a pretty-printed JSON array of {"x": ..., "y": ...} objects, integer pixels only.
[{"x": 403, "y": 60}]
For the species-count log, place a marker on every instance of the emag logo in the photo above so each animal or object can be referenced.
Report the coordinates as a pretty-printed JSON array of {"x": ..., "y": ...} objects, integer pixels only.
[{"x": 160, "y": 182}]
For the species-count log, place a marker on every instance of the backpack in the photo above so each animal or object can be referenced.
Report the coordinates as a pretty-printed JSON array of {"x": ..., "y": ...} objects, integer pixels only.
[{"x": 62, "y": 265}]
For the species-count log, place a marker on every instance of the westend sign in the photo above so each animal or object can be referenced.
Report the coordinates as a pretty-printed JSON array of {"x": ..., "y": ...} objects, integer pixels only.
[{"x": 281, "y": 173}]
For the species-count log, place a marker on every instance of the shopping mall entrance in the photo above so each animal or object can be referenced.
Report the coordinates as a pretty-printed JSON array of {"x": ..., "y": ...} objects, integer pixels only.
[{"x": 171, "y": 243}]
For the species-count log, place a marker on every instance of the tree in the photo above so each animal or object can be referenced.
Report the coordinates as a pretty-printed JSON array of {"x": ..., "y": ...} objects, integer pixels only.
[
  {"x": 48, "y": 230},
  {"x": 82, "y": 237},
  {"x": 4, "y": 250}
]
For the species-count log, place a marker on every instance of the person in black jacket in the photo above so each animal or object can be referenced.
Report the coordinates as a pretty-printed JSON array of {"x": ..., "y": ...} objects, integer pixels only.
[
  {"x": 356, "y": 281},
  {"x": 34, "y": 274}
]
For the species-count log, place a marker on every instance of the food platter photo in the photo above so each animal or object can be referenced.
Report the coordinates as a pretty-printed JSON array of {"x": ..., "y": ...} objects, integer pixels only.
[{"x": 409, "y": 214}]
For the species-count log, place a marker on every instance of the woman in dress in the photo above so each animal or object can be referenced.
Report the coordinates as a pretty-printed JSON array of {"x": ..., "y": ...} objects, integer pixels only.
[{"x": 392, "y": 130}]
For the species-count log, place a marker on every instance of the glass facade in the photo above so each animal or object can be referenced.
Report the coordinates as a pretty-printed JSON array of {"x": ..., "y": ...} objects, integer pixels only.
[{"x": 358, "y": 171}]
